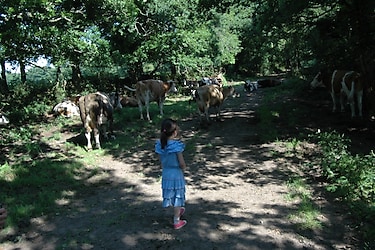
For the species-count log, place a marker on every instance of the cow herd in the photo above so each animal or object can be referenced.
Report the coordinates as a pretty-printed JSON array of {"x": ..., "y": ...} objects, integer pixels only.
[{"x": 96, "y": 109}]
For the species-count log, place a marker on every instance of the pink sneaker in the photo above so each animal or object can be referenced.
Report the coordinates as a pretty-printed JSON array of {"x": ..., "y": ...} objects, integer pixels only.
[
  {"x": 182, "y": 211},
  {"x": 180, "y": 224}
]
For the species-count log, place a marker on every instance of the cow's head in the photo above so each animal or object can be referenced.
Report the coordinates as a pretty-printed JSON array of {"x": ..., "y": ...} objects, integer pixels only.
[
  {"x": 317, "y": 81},
  {"x": 115, "y": 100},
  {"x": 172, "y": 87},
  {"x": 229, "y": 91}
]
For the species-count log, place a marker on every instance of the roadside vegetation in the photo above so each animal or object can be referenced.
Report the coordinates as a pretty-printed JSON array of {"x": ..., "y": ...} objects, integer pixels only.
[{"x": 349, "y": 177}]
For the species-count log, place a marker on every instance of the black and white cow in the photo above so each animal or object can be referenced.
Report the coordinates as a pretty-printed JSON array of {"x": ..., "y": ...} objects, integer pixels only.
[
  {"x": 210, "y": 80},
  {"x": 250, "y": 86},
  {"x": 342, "y": 84},
  {"x": 96, "y": 112}
]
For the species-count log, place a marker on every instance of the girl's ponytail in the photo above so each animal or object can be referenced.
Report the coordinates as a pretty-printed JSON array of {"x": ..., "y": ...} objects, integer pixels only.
[{"x": 168, "y": 126}]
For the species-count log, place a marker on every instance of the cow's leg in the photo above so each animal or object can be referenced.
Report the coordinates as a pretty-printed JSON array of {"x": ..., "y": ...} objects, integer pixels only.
[
  {"x": 88, "y": 137},
  {"x": 200, "y": 113},
  {"x": 352, "y": 107},
  {"x": 140, "y": 109},
  {"x": 206, "y": 112},
  {"x": 359, "y": 102},
  {"x": 97, "y": 138},
  {"x": 342, "y": 102},
  {"x": 350, "y": 95},
  {"x": 333, "y": 102},
  {"x": 147, "y": 103},
  {"x": 161, "y": 104},
  {"x": 218, "y": 113}
]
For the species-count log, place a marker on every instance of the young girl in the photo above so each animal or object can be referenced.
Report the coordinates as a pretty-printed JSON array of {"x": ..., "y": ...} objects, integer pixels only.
[{"x": 172, "y": 163}]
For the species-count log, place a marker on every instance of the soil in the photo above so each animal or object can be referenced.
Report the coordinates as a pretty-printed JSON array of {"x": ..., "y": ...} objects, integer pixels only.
[{"x": 236, "y": 189}]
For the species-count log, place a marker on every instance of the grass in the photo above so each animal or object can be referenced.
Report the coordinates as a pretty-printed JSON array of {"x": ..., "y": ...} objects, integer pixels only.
[
  {"x": 306, "y": 215},
  {"x": 30, "y": 189}
]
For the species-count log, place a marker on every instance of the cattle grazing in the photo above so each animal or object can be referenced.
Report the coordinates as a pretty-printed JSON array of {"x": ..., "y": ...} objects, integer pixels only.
[
  {"x": 147, "y": 91},
  {"x": 96, "y": 113},
  {"x": 212, "y": 96},
  {"x": 250, "y": 86},
  {"x": 3, "y": 119},
  {"x": 66, "y": 109},
  {"x": 343, "y": 84}
]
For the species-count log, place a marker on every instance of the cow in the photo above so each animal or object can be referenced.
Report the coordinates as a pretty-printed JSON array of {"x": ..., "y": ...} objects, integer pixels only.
[
  {"x": 343, "y": 84},
  {"x": 250, "y": 86},
  {"x": 210, "y": 80},
  {"x": 211, "y": 96},
  {"x": 96, "y": 113},
  {"x": 66, "y": 109},
  {"x": 128, "y": 101},
  {"x": 3, "y": 119},
  {"x": 147, "y": 91}
]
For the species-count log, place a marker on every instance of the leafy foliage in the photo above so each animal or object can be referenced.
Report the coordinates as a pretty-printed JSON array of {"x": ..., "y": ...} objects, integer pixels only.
[{"x": 351, "y": 176}]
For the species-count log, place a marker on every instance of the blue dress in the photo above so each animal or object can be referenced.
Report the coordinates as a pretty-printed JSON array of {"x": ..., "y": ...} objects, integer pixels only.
[{"x": 173, "y": 181}]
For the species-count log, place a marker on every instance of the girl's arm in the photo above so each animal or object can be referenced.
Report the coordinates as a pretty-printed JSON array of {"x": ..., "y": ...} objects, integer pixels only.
[{"x": 181, "y": 160}]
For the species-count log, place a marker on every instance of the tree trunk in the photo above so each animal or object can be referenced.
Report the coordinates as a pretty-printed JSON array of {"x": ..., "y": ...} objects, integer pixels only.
[
  {"x": 23, "y": 71},
  {"x": 3, "y": 79},
  {"x": 76, "y": 75}
]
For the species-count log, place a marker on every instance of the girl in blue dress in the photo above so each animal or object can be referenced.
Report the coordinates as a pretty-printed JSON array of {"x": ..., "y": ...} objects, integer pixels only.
[{"x": 172, "y": 162}]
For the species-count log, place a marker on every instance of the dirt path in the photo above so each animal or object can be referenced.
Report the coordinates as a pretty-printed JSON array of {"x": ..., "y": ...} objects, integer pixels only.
[{"x": 236, "y": 197}]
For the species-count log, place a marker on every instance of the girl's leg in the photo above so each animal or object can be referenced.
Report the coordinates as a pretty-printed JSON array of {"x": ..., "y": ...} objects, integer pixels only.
[{"x": 176, "y": 218}]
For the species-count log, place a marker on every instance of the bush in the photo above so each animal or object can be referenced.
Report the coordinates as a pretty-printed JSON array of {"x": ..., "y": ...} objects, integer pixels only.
[{"x": 351, "y": 177}]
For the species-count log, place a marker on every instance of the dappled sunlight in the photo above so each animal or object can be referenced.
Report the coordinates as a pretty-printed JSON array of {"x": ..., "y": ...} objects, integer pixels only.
[{"x": 236, "y": 192}]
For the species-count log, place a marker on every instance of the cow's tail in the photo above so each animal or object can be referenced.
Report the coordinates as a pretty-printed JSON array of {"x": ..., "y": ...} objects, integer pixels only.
[
  {"x": 105, "y": 114},
  {"x": 128, "y": 88},
  {"x": 81, "y": 104},
  {"x": 101, "y": 114}
]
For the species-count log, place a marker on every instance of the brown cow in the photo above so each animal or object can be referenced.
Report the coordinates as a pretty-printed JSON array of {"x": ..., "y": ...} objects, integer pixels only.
[
  {"x": 96, "y": 113},
  {"x": 128, "y": 101},
  {"x": 211, "y": 96},
  {"x": 342, "y": 83},
  {"x": 147, "y": 91}
]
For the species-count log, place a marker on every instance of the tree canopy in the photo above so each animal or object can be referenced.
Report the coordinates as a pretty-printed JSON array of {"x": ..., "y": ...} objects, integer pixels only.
[{"x": 177, "y": 38}]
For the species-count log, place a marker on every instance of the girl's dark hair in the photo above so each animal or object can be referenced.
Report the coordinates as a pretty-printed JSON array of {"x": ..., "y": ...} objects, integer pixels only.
[{"x": 168, "y": 126}]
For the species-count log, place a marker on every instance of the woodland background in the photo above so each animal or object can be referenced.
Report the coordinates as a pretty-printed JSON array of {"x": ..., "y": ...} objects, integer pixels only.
[{"x": 103, "y": 44}]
